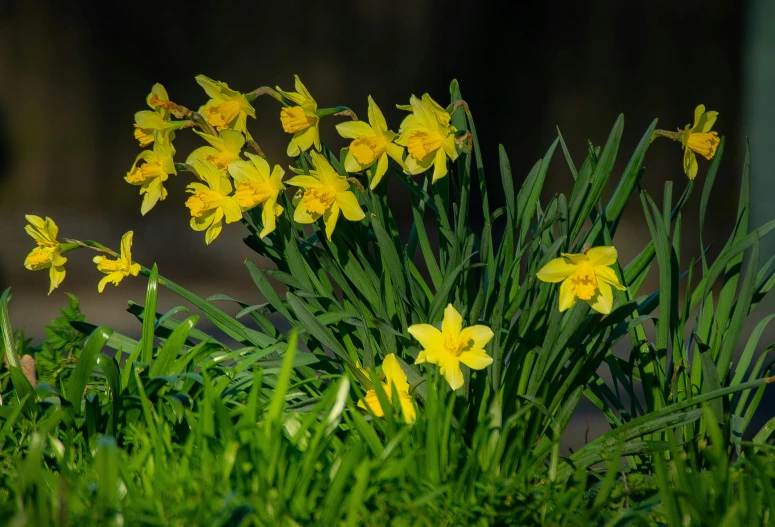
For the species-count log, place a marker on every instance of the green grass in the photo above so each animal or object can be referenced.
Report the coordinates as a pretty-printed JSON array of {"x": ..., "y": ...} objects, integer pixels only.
[{"x": 261, "y": 427}]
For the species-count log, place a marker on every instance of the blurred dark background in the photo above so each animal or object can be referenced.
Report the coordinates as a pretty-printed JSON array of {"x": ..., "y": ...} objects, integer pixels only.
[{"x": 73, "y": 74}]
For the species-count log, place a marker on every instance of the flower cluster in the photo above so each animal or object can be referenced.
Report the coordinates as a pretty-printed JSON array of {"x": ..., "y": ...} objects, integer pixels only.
[
  {"x": 426, "y": 138},
  {"x": 232, "y": 178}
]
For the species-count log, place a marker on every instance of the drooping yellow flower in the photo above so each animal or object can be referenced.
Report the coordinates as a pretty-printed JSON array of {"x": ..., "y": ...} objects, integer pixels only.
[
  {"x": 152, "y": 173},
  {"x": 394, "y": 376},
  {"x": 326, "y": 193},
  {"x": 222, "y": 150},
  {"x": 211, "y": 203},
  {"x": 301, "y": 120},
  {"x": 371, "y": 146},
  {"x": 428, "y": 136},
  {"x": 150, "y": 123},
  {"x": 700, "y": 139},
  {"x": 48, "y": 253},
  {"x": 117, "y": 270},
  {"x": 452, "y": 345},
  {"x": 226, "y": 108},
  {"x": 587, "y": 277},
  {"x": 257, "y": 186}
]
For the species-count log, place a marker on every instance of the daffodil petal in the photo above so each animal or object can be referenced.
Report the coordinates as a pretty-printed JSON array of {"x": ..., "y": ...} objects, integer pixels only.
[
  {"x": 379, "y": 170},
  {"x": 475, "y": 337},
  {"x": 603, "y": 300},
  {"x": 371, "y": 401},
  {"x": 439, "y": 165},
  {"x": 349, "y": 205},
  {"x": 376, "y": 119},
  {"x": 608, "y": 275},
  {"x": 354, "y": 129},
  {"x": 606, "y": 256},
  {"x": 451, "y": 371},
  {"x": 428, "y": 336},
  {"x": 475, "y": 359},
  {"x": 394, "y": 374},
  {"x": 556, "y": 270},
  {"x": 452, "y": 323},
  {"x": 690, "y": 164},
  {"x": 330, "y": 218},
  {"x": 351, "y": 164},
  {"x": 567, "y": 298}
]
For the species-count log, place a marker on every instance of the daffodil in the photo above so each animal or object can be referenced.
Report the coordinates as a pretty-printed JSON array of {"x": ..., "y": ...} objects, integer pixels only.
[
  {"x": 117, "y": 270},
  {"x": 700, "y": 139},
  {"x": 587, "y": 277},
  {"x": 325, "y": 195},
  {"x": 222, "y": 150},
  {"x": 372, "y": 144},
  {"x": 300, "y": 120},
  {"x": 48, "y": 252},
  {"x": 257, "y": 186},
  {"x": 151, "y": 174},
  {"x": 211, "y": 203},
  {"x": 394, "y": 377},
  {"x": 452, "y": 345},
  {"x": 226, "y": 108},
  {"x": 428, "y": 136},
  {"x": 150, "y": 123}
]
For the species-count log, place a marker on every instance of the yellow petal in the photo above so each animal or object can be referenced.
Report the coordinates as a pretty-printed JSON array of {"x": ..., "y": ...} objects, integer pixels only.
[
  {"x": 56, "y": 275},
  {"x": 268, "y": 218},
  {"x": 475, "y": 337},
  {"x": 330, "y": 218},
  {"x": 231, "y": 210},
  {"x": 379, "y": 170},
  {"x": 556, "y": 270},
  {"x": 376, "y": 119},
  {"x": 354, "y": 129},
  {"x": 126, "y": 245},
  {"x": 608, "y": 275},
  {"x": 452, "y": 323},
  {"x": 451, "y": 371},
  {"x": 428, "y": 336},
  {"x": 698, "y": 111},
  {"x": 690, "y": 164},
  {"x": 371, "y": 401},
  {"x": 397, "y": 153},
  {"x": 351, "y": 164},
  {"x": 304, "y": 181},
  {"x": 475, "y": 359},
  {"x": 349, "y": 205},
  {"x": 603, "y": 300},
  {"x": 213, "y": 231},
  {"x": 606, "y": 255},
  {"x": 302, "y": 215},
  {"x": 567, "y": 298},
  {"x": 439, "y": 165},
  {"x": 394, "y": 374},
  {"x": 407, "y": 408}
]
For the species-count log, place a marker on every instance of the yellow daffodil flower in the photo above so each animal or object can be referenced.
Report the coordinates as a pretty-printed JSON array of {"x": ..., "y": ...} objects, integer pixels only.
[
  {"x": 257, "y": 186},
  {"x": 211, "y": 202},
  {"x": 587, "y": 277},
  {"x": 117, "y": 270},
  {"x": 452, "y": 345},
  {"x": 326, "y": 193},
  {"x": 222, "y": 150},
  {"x": 371, "y": 146},
  {"x": 428, "y": 136},
  {"x": 150, "y": 123},
  {"x": 300, "y": 120},
  {"x": 700, "y": 139},
  {"x": 152, "y": 173},
  {"x": 48, "y": 252},
  {"x": 394, "y": 376},
  {"x": 226, "y": 108}
]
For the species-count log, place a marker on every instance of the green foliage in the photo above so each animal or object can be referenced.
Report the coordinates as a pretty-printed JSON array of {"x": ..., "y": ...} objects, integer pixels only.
[
  {"x": 61, "y": 346},
  {"x": 260, "y": 427}
]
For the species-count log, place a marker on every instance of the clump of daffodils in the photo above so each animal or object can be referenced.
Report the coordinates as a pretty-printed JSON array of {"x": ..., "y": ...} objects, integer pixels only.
[{"x": 231, "y": 180}]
